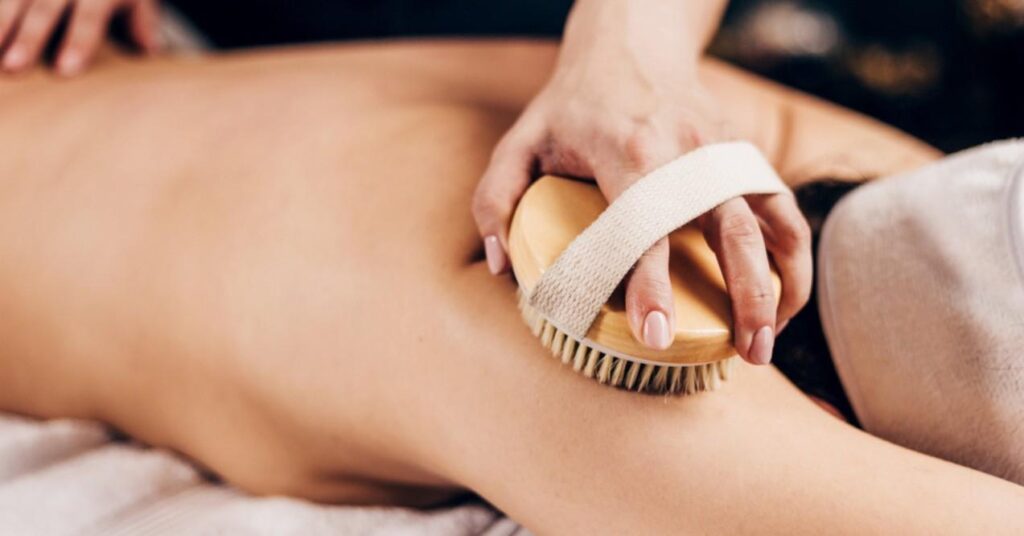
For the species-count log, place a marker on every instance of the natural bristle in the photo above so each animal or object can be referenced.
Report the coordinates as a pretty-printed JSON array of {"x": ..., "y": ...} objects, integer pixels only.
[{"x": 620, "y": 372}]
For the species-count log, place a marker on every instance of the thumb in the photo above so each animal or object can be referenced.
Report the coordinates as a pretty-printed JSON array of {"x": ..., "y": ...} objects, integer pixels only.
[
  {"x": 649, "y": 304},
  {"x": 500, "y": 188}
]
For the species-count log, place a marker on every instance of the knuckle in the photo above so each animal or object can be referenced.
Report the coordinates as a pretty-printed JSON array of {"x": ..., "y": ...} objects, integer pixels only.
[
  {"x": 750, "y": 292},
  {"x": 485, "y": 204},
  {"x": 519, "y": 138},
  {"x": 505, "y": 148},
  {"x": 30, "y": 33},
  {"x": 46, "y": 7},
  {"x": 754, "y": 307},
  {"x": 89, "y": 17},
  {"x": 559, "y": 159},
  {"x": 646, "y": 291},
  {"x": 647, "y": 282},
  {"x": 691, "y": 136},
  {"x": 740, "y": 228},
  {"x": 640, "y": 145},
  {"x": 757, "y": 296},
  {"x": 34, "y": 26},
  {"x": 794, "y": 233}
]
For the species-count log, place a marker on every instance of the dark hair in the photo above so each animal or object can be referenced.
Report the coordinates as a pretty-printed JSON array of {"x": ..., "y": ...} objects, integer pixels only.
[{"x": 801, "y": 352}]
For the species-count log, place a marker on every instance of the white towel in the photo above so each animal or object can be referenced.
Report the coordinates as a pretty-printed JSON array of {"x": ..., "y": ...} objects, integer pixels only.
[{"x": 69, "y": 477}]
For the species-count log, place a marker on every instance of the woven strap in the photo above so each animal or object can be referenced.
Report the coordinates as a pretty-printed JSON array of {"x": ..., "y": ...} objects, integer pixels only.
[{"x": 571, "y": 292}]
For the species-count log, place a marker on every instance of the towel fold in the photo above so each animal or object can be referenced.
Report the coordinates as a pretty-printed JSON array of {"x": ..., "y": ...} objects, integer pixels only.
[{"x": 69, "y": 477}]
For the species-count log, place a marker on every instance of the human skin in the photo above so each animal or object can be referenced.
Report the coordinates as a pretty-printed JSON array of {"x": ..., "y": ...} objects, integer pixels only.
[
  {"x": 626, "y": 97},
  {"x": 26, "y": 26},
  {"x": 264, "y": 262}
]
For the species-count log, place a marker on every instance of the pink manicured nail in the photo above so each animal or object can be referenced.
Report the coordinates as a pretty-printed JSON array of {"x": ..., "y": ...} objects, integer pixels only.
[
  {"x": 15, "y": 58},
  {"x": 495, "y": 255},
  {"x": 656, "y": 330},
  {"x": 761, "y": 346}
]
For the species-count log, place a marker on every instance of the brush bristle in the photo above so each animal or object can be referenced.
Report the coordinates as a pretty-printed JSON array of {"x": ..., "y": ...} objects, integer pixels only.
[{"x": 620, "y": 372}]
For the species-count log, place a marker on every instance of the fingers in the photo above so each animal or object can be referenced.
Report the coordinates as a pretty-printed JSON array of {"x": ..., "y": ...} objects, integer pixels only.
[
  {"x": 144, "y": 23},
  {"x": 27, "y": 25},
  {"x": 39, "y": 20},
  {"x": 86, "y": 30},
  {"x": 788, "y": 238},
  {"x": 649, "y": 305},
  {"x": 650, "y": 308},
  {"x": 10, "y": 13},
  {"x": 733, "y": 233},
  {"x": 500, "y": 188}
]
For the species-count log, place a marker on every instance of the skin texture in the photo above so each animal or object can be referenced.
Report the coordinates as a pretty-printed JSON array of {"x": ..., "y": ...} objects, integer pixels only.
[
  {"x": 264, "y": 263},
  {"x": 626, "y": 97},
  {"x": 26, "y": 26}
]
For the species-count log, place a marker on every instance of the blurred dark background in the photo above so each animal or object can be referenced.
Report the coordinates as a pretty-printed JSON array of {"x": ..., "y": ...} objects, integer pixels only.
[{"x": 948, "y": 71}]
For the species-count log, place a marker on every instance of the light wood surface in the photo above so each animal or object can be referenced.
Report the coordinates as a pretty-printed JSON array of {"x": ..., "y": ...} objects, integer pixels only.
[{"x": 555, "y": 210}]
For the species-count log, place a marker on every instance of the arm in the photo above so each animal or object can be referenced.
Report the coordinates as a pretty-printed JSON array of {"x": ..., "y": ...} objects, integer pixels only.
[
  {"x": 689, "y": 24},
  {"x": 274, "y": 326},
  {"x": 625, "y": 98}
]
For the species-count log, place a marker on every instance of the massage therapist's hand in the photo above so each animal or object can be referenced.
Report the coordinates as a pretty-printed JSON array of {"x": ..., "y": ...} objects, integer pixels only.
[
  {"x": 26, "y": 26},
  {"x": 623, "y": 100}
]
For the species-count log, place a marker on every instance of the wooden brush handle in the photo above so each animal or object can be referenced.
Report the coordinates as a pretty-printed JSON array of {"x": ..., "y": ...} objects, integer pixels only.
[{"x": 571, "y": 292}]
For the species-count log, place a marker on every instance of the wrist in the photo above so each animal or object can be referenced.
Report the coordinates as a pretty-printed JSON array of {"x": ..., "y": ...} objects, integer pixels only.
[
  {"x": 684, "y": 26},
  {"x": 617, "y": 40}
]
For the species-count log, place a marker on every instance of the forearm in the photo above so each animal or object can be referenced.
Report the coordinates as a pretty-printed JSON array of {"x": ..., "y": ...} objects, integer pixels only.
[
  {"x": 629, "y": 58},
  {"x": 683, "y": 26}
]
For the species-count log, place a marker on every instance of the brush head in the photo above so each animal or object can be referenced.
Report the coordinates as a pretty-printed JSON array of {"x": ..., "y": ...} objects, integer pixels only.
[
  {"x": 622, "y": 371},
  {"x": 550, "y": 215}
]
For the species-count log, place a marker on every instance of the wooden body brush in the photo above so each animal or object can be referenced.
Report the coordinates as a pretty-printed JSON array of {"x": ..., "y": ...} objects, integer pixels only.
[{"x": 570, "y": 250}]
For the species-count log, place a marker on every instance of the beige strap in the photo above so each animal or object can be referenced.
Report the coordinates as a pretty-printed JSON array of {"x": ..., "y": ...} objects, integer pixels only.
[{"x": 571, "y": 292}]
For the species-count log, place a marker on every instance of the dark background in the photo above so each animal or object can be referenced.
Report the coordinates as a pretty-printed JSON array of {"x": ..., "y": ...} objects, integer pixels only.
[{"x": 948, "y": 71}]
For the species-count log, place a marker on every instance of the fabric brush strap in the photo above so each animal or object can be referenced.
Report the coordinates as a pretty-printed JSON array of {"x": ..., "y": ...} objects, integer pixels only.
[{"x": 571, "y": 292}]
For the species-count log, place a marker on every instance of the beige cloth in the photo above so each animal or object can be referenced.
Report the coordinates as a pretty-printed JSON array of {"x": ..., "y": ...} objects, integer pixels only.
[
  {"x": 571, "y": 292},
  {"x": 68, "y": 477},
  {"x": 921, "y": 282}
]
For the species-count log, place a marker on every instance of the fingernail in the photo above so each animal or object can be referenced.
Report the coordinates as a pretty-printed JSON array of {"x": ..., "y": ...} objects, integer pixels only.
[
  {"x": 15, "y": 58},
  {"x": 70, "y": 64},
  {"x": 761, "y": 347},
  {"x": 495, "y": 255},
  {"x": 656, "y": 331}
]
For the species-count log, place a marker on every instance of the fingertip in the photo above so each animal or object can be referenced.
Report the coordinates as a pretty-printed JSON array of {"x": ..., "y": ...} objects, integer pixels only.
[
  {"x": 71, "y": 63},
  {"x": 15, "y": 59}
]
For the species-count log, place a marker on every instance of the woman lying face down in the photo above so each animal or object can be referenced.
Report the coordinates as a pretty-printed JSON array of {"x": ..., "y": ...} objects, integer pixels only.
[{"x": 270, "y": 268}]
